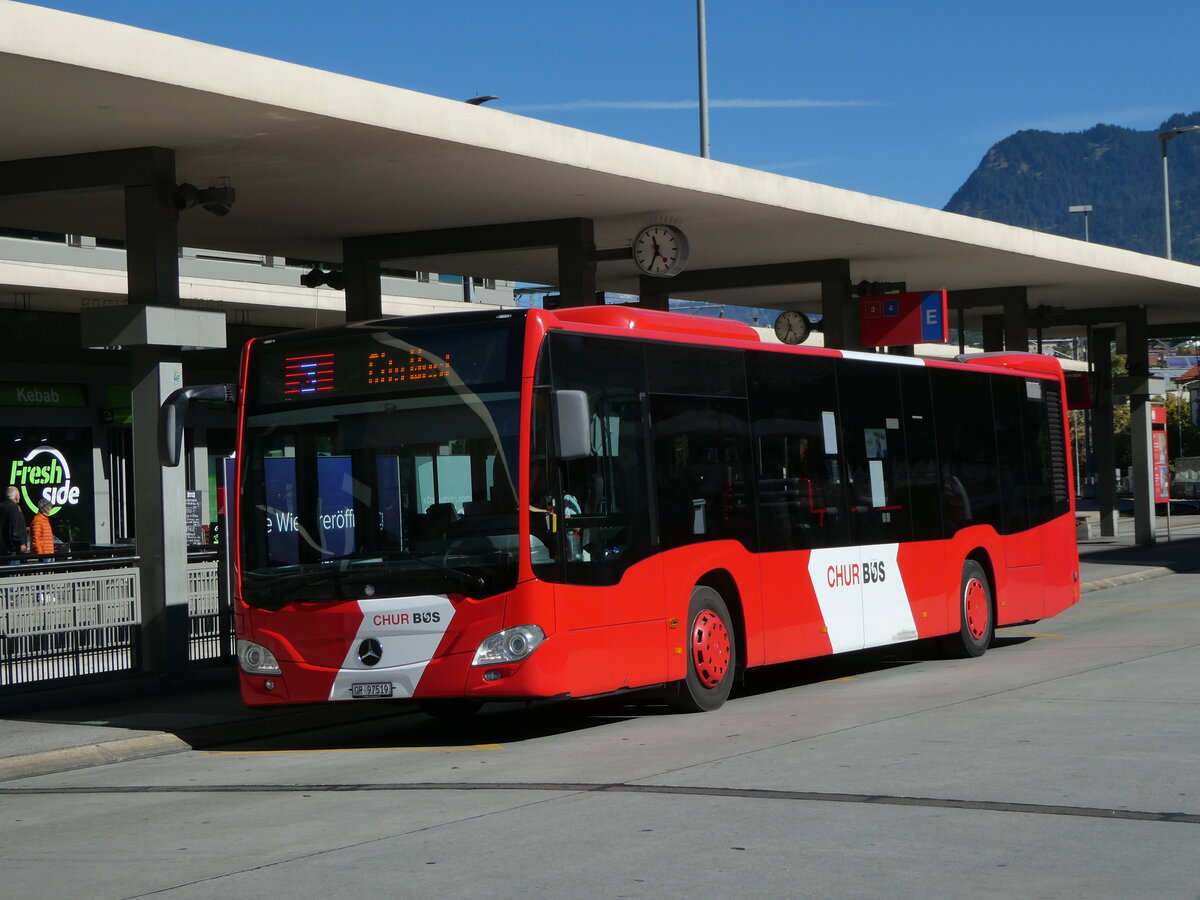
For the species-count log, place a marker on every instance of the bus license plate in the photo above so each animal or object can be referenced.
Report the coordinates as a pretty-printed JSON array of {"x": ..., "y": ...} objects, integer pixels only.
[{"x": 371, "y": 689}]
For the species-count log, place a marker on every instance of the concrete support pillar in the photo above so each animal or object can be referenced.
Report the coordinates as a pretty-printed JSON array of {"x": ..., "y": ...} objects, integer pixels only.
[
  {"x": 1140, "y": 429},
  {"x": 1016, "y": 331},
  {"x": 839, "y": 312},
  {"x": 651, "y": 294},
  {"x": 154, "y": 372},
  {"x": 1008, "y": 330},
  {"x": 577, "y": 266},
  {"x": 1103, "y": 439},
  {"x": 151, "y": 246},
  {"x": 993, "y": 333},
  {"x": 364, "y": 293}
]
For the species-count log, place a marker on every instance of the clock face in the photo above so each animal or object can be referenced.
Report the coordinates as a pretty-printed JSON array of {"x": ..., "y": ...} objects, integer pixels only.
[
  {"x": 792, "y": 327},
  {"x": 660, "y": 250}
]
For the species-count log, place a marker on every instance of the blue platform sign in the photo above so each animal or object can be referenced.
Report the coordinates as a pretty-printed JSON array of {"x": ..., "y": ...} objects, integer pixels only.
[{"x": 933, "y": 317}]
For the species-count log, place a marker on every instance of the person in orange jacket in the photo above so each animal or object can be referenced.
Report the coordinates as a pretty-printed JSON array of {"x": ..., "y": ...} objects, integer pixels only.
[{"x": 40, "y": 533}]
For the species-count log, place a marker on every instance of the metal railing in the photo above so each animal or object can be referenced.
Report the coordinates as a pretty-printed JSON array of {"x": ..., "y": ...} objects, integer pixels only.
[
  {"x": 70, "y": 619},
  {"x": 81, "y": 618},
  {"x": 210, "y": 631}
]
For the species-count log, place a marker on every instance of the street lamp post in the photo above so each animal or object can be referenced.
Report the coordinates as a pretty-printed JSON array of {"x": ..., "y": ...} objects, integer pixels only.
[
  {"x": 702, "y": 57},
  {"x": 1163, "y": 137},
  {"x": 1085, "y": 209}
]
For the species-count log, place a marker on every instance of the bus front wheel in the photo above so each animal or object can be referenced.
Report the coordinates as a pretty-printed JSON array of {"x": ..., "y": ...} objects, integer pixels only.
[
  {"x": 977, "y": 615},
  {"x": 711, "y": 651}
]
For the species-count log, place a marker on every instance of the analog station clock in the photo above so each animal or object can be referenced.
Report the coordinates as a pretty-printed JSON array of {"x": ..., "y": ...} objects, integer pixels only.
[
  {"x": 792, "y": 327},
  {"x": 660, "y": 250}
]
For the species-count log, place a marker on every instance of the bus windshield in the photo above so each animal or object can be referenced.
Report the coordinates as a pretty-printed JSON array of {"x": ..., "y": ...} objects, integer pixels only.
[{"x": 384, "y": 486}]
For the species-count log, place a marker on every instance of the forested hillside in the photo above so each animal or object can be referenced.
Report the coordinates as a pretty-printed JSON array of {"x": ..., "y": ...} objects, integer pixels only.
[{"x": 1030, "y": 178}]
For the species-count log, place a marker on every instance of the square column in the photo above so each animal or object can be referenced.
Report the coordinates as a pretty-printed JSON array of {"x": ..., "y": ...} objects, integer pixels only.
[{"x": 154, "y": 336}]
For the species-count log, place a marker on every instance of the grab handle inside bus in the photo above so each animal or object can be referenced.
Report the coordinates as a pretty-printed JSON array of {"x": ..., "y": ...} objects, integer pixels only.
[
  {"x": 173, "y": 413},
  {"x": 573, "y": 424}
]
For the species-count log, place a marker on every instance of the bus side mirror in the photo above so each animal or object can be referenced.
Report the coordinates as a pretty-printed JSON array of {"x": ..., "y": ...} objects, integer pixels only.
[
  {"x": 173, "y": 413},
  {"x": 573, "y": 424}
]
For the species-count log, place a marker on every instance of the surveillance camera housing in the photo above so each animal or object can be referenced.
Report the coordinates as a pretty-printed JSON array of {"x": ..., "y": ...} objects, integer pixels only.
[
  {"x": 218, "y": 200},
  {"x": 185, "y": 196}
]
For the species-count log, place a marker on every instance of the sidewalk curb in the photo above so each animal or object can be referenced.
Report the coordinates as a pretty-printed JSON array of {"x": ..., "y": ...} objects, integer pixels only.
[
  {"x": 48, "y": 762},
  {"x": 65, "y": 759},
  {"x": 1133, "y": 577}
]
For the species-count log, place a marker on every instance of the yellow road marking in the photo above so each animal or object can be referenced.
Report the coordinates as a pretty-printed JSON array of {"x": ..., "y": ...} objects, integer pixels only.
[{"x": 356, "y": 750}]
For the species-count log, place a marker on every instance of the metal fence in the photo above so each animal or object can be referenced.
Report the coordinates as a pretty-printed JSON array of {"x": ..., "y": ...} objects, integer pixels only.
[
  {"x": 82, "y": 618},
  {"x": 210, "y": 632}
]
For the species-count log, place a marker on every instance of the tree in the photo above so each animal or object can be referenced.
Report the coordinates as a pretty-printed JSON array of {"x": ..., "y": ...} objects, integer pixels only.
[{"x": 1180, "y": 427}]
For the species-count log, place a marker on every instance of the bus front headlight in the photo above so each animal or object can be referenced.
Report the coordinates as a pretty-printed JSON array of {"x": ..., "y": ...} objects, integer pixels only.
[
  {"x": 255, "y": 659},
  {"x": 509, "y": 646}
]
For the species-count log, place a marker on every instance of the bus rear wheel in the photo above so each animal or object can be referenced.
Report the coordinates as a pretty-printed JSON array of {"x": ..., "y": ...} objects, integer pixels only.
[
  {"x": 977, "y": 625},
  {"x": 711, "y": 651}
]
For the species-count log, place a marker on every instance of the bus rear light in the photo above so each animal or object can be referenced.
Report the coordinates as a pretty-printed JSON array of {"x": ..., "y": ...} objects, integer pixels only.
[
  {"x": 255, "y": 659},
  {"x": 509, "y": 646}
]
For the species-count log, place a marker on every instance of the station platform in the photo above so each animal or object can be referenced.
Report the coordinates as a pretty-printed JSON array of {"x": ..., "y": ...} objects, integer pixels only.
[{"x": 72, "y": 728}]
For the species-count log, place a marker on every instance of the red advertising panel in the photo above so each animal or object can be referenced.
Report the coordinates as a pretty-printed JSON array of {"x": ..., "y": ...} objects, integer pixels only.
[
  {"x": 1162, "y": 471},
  {"x": 1158, "y": 453},
  {"x": 890, "y": 320}
]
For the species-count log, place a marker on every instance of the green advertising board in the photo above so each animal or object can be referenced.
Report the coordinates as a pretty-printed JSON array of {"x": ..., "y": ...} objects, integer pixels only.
[{"x": 23, "y": 393}]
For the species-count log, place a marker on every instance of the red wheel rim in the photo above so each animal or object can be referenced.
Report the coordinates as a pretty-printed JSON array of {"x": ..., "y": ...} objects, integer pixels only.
[
  {"x": 711, "y": 649},
  {"x": 976, "y": 603}
]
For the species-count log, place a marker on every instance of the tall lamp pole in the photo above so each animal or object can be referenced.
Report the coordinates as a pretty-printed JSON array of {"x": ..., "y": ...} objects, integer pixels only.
[
  {"x": 1084, "y": 208},
  {"x": 702, "y": 47},
  {"x": 1163, "y": 137}
]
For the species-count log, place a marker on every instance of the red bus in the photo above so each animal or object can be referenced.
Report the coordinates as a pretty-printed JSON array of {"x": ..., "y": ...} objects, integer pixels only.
[{"x": 494, "y": 505}]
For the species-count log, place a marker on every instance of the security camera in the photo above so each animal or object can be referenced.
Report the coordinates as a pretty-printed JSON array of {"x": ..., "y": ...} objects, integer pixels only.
[
  {"x": 317, "y": 277},
  {"x": 216, "y": 200}
]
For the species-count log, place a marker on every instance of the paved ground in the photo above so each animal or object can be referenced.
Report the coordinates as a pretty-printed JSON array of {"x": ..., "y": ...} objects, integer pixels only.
[
  {"x": 1063, "y": 763},
  {"x": 68, "y": 729}
]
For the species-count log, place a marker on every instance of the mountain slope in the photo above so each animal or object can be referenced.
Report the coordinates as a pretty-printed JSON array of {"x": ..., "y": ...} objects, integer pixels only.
[{"x": 1031, "y": 177}]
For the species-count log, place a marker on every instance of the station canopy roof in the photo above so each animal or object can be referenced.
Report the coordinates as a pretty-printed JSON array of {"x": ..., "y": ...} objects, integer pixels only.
[{"x": 315, "y": 157}]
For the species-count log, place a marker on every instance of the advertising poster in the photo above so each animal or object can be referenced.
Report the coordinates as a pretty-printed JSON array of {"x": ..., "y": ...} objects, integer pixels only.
[{"x": 54, "y": 463}]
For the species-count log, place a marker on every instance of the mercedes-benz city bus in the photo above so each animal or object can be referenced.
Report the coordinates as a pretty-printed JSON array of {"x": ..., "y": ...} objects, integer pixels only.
[{"x": 533, "y": 504}]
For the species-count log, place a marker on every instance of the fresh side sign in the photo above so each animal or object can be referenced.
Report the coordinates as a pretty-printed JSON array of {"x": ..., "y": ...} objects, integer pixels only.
[{"x": 44, "y": 473}]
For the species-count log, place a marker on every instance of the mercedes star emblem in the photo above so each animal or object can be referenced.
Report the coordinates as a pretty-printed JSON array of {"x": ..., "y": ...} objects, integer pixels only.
[{"x": 370, "y": 652}]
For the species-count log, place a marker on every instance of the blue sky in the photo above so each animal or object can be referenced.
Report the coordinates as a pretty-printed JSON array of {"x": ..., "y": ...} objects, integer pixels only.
[{"x": 901, "y": 100}]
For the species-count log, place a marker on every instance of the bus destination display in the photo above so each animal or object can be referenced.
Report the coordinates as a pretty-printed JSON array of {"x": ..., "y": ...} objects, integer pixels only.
[{"x": 358, "y": 366}]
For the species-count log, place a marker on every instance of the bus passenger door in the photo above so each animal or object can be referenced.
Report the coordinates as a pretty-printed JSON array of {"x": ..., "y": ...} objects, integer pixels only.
[
  {"x": 1023, "y": 473},
  {"x": 600, "y": 549}
]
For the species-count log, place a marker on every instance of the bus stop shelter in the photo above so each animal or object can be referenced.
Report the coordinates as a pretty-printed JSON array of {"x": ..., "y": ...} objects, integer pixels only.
[{"x": 162, "y": 142}]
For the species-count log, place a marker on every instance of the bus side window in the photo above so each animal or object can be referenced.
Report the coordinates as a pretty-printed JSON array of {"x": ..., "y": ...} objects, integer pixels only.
[
  {"x": 967, "y": 448},
  {"x": 875, "y": 452},
  {"x": 700, "y": 460},
  {"x": 797, "y": 463},
  {"x": 924, "y": 483}
]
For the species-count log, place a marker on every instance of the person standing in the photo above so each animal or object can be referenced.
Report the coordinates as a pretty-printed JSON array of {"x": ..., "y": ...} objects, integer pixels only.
[
  {"x": 12, "y": 524},
  {"x": 41, "y": 534}
]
